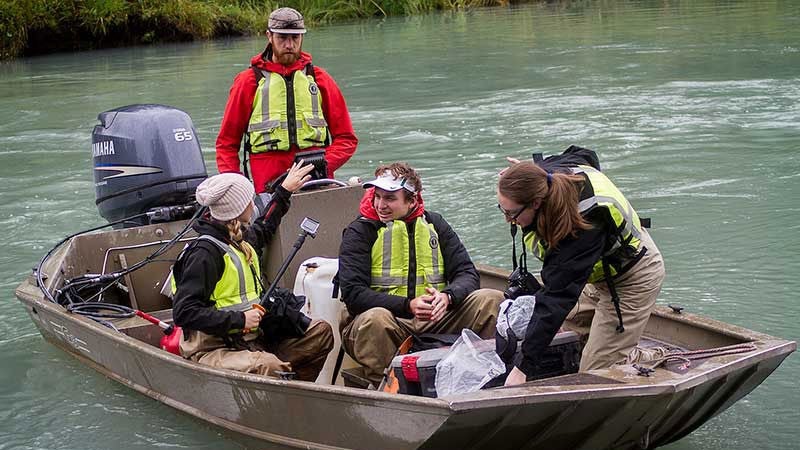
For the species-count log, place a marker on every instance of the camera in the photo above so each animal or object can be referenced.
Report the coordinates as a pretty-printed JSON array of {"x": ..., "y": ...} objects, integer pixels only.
[
  {"x": 317, "y": 159},
  {"x": 521, "y": 282},
  {"x": 310, "y": 226}
]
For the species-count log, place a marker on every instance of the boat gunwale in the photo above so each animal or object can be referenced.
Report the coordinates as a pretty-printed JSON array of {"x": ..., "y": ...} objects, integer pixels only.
[{"x": 708, "y": 324}]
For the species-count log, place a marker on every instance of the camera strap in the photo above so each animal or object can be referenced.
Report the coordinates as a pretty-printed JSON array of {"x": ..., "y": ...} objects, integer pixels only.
[
  {"x": 514, "y": 246},
  {"x": 614, "y": 296},
  {"x": 523, "y": 259}
]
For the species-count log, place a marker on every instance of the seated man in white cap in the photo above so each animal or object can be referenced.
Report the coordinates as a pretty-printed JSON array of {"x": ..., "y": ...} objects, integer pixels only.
[
  {"x": 218, "y": 280},
  {"x": 403, "y": 270}
]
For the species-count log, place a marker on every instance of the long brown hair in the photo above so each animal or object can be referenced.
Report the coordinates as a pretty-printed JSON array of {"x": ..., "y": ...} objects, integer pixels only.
[{"x": 558, "y": 216}]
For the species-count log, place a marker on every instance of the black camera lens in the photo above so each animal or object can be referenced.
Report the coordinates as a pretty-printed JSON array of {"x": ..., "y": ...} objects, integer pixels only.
[
  {"x": 521, "y": 282},
  {"x": 512, "y": 292}
]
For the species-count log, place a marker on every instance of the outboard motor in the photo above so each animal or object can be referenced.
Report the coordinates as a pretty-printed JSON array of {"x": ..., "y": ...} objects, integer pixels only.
[{"x": 146, "y": 159}]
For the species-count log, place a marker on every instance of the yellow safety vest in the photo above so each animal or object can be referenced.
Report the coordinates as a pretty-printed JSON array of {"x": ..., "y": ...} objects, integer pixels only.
[
  {"x": 390, "y": 259},
  {"x": 286, "y": 112},
  {"x": 627, "y": 227},
  {"x": 237, "y": 289}
]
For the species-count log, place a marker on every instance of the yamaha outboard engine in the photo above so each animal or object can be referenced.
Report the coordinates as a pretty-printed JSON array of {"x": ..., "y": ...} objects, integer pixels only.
[{"x": 147, "y": 159}]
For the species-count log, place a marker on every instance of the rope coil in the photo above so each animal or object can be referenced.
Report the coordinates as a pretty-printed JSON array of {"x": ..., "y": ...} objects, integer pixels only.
[{"x": 686, "y": 357}]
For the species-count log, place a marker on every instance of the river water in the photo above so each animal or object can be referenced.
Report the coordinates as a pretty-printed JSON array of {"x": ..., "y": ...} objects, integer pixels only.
[{"x": 693, "y": 106}]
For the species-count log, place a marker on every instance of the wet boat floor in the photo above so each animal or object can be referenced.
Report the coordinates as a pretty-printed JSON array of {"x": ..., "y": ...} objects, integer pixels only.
[
  {"x": 675, "y": 366},
  {"x": 646, "y": 342}
]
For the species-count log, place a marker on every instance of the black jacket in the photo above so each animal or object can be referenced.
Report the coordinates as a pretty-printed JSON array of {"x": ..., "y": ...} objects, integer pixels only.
[
  {"x": 199, "y": 268},
  {"x": 565, "y": 269},
  {"x": 355, "y": 267}
]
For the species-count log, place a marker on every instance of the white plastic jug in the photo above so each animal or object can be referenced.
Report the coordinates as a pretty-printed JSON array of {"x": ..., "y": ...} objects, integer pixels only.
[{"x": 315, "y": 281}]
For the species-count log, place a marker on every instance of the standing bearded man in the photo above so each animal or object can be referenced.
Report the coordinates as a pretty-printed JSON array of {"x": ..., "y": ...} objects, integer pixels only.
[{"x": 284, "y": 105}]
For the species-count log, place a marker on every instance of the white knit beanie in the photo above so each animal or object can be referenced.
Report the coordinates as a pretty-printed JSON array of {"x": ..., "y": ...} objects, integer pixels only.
[{"x": 226, "y": 195}]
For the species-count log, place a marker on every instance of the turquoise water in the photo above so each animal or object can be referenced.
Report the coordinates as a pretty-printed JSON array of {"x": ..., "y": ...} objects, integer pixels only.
[{"x": 692, "y": 106}]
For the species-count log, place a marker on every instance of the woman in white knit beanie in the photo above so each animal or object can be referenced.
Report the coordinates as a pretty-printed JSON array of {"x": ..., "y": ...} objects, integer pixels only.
[
  {"x": 229, "y": 198},
  {"x": 218, "y": 279}
]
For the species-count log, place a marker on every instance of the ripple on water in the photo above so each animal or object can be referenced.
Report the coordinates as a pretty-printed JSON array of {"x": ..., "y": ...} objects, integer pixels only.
[{"x": 65, "y": 413}]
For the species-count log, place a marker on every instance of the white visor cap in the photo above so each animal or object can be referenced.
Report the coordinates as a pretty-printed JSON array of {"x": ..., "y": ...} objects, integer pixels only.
[{"x": 388, "y": 182}]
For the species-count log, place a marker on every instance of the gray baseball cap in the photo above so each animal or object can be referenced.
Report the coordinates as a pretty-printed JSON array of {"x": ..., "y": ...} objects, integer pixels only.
[{"x": 286, "y": 21}]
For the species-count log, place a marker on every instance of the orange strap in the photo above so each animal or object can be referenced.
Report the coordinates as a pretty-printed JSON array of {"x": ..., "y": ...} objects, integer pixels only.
[{"x": 392, "y": 385}]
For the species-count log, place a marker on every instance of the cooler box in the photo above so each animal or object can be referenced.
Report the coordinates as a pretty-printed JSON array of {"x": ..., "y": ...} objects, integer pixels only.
[{"x": 416, "y": 372}]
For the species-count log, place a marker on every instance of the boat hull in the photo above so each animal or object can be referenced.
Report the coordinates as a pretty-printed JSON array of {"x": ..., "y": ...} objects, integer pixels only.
[{"x": 604, "y": 410}]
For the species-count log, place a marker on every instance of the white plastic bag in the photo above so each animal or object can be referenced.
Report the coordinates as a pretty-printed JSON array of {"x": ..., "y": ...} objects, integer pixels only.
[
  {"x": 515, "y": 314},
  {"x": 470, "y": 364}
]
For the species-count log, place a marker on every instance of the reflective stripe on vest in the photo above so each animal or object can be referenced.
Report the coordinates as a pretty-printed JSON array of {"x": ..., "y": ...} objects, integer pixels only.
[
  {"x": 237, "y": 289},
  {"x": 390, "y": 259},
  {"x": 626, "y": 220},
  {"x": 272, "y": 128}
]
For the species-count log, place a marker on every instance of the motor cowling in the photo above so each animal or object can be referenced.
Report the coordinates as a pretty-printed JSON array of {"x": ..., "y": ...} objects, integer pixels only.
[{"x": 145, "y": 157}]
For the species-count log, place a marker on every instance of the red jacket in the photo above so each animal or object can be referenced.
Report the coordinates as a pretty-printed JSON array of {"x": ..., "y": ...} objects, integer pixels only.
[{"x": 267, "y": 166}]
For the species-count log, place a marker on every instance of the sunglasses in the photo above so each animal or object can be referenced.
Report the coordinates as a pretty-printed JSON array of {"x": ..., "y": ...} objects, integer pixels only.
[{"x": 512, "y": 215}]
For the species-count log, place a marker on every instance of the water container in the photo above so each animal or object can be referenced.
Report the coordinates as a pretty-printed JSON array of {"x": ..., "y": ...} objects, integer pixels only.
[{"x": 315, "y": 281}]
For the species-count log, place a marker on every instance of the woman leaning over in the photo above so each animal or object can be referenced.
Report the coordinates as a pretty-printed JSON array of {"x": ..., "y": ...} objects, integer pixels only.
[{"x": 585, "y": 231}]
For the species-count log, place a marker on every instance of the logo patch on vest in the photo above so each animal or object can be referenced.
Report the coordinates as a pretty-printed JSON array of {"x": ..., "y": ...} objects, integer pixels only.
[
  {"x": 313, "y": 89},
  {"x": 433, "y": 242}
]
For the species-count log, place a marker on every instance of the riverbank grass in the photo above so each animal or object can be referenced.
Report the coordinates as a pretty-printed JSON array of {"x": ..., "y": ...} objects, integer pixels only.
[{"x": 29, "y": 27}]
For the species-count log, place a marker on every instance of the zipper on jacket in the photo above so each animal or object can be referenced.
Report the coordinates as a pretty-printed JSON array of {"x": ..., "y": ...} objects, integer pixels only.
[
  {"x": 291, "y": 113},
  {"x": 412, "y": 261}
]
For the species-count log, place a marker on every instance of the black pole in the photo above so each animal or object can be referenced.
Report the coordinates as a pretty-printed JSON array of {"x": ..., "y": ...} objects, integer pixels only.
[{"x": 295, "y": 248}]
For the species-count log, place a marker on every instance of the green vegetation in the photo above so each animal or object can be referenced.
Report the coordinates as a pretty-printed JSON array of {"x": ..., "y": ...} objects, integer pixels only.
[{"x": 42, "y": 26}]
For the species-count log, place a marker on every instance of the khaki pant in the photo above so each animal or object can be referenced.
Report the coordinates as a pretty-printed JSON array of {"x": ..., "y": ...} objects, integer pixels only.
[
  {"x": 305, "y": 355},
  {"x": 595, "y": 313},
  {"x": 372, "y": 338}
]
